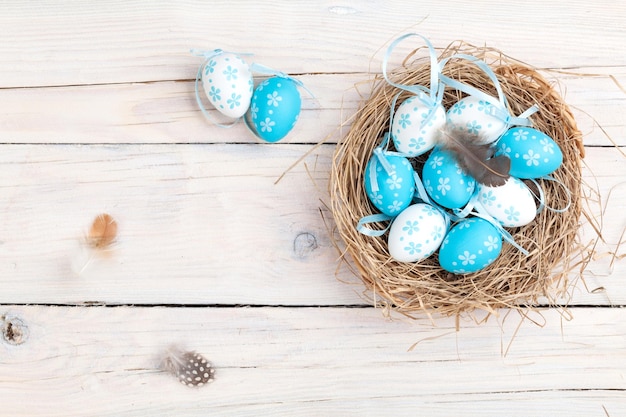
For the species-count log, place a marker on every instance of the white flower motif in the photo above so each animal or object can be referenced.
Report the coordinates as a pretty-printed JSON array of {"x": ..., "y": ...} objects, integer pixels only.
[
  {"x": 436, "y": 162},
  {"x": 520, "y": 134},
  {"x": 491, "y": 243},
  {"x": 467, "y": 258},
  {"x": 395, "y": 206},
  {"x": 273, "y": 99},
  {"x": 532, "y": 158},
  {"x": 377, "y": 199},
  {"x": 444, "y": 185},
  {"x": 548, "y": 146},
  {"x": 266, "y": 125},
  {"x": 394, "y": 182}
]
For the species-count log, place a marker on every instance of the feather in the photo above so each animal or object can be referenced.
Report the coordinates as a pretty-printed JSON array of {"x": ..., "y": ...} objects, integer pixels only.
[
  {"x": 189, "y": 367},
  {"x": 103, "y": 232},
  {"x": 475, "y": 158},
  {"x": 99, "y": 240}
]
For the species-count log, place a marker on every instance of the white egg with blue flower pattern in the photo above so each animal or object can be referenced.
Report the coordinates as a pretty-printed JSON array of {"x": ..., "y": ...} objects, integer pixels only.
[
  {"x": 476, "y": 117},
  {"x": 511, "y": 204},
  {"x": 390, "y": 192},
  {"x": 471, "y": 245},
  {"x": 416, "y": 233},
  {"x": 275, "y": 108},
  {"x": 445, "y": 182},
  {"x": 227, "y": 82},
  {"x": 416, "y": 125},
  {"x": 533, "y": 154}
]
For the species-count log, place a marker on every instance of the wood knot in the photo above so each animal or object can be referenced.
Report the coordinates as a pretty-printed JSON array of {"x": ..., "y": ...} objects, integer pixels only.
[
  {"x": 14, "y": 330},
  {"x": 304, "y": 244}
]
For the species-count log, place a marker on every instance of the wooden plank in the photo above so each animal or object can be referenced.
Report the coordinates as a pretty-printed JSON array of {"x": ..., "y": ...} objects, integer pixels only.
[
  {"x": 207, "y": 224},
  {"x": 302, "y": 362},
  {"x": 49, "y": 43},
  {"x": 167, "y": 112}
]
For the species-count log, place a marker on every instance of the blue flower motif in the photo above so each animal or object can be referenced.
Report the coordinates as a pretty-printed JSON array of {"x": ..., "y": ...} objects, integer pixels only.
[
  {"x": 404, "y": 120},
  {"x": 233, "y": 101},
  {"x": 512, "y": 214},
  {"x": 473, "y": 127},
  {"x": 230, "y": 73},
  {"x": 215, "y": 93},
  {"x": 413, "y": 248},
  {"x": 273, "y": 99},
  {"x": 417, "y": 143},
  {"x": 458, "y": 107},
  {"x": 411, "y": 226},
  {"x": 266, "y": 125},
  {"x": 437, "y": 233},
  {"x": 429, "y": 210},
  {"x": 488, "y": 198},
  {"x": 484, "y": 106},
  {"x": 210, "y": 68}
]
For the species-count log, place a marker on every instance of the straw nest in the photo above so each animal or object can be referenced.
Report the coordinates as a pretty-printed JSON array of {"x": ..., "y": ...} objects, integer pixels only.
[{"x": 513, "y": 280}]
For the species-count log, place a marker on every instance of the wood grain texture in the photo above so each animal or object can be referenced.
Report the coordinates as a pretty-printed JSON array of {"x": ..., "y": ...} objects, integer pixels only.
[
  {"x": 167, "y": 112},
  {"x": 51, "y": 43},
  {"x": 272, "y": 361},
  {"x": 207, "y": 224},
  {"x": 97, "y": 115}
]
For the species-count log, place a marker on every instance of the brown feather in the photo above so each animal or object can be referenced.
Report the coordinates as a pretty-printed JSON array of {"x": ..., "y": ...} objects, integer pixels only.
[
  {"x": 476, "y": 159},
  {"x": 103, "y": 232}
]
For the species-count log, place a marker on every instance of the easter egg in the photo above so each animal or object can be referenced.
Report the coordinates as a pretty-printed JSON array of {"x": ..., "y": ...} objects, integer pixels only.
[
  {"x": 390, "y": 192},
  {"x": 414, "y": 129},
  {"x": 511, "y": 204},
  {"x": 445, "y": 182},
  {"x": 470, "y": 245},
  {"x": 533, "y": 154},
  {"x": 227, "y": 82},
  {"x": 274, "y": 108},
  {"x": 476, "y": 117},
  {"x": 416, "y": 233}
]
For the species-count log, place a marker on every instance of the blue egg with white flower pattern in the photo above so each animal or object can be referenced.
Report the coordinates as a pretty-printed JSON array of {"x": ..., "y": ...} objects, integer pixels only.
[
  {"x": 533, "y": 154},
  {"x": 390, "y": 192},
  {"x": 445, "y": 182},
  {"x": 471, "y": 245},
  {"x": 274, "y": 108}
]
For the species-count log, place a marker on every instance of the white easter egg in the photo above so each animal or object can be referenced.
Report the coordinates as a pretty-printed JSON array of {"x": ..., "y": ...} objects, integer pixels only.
[
  {"x": 416, "y": 233},
  {"x": 227, "y": 82},
  {"x": 511, "y": 204},
  {"x": 414, "y": 129},
  {"x": 476, "y": 117}
]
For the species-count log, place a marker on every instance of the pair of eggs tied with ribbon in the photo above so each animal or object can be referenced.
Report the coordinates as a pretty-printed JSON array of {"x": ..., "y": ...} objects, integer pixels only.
[
  {"x": 477, "y": 206},
  {"x": 270, "y": 110}
]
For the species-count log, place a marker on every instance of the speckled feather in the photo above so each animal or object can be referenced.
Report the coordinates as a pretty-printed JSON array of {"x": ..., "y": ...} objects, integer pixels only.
[{"x": 191, "y": 368}]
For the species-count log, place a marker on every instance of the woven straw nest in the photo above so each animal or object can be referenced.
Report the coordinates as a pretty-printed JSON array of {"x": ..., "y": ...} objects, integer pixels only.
[{"x": 513, "y": 280}]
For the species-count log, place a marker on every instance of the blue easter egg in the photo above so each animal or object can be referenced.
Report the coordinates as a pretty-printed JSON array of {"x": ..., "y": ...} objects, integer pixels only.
[
  {"x": 390, "y": 192},
  {"x": 533, "y": 154},
  {"x": 274, "y": 108},
  {"x": 471, "y": 245},
  {"x": 445, "y": 182}
]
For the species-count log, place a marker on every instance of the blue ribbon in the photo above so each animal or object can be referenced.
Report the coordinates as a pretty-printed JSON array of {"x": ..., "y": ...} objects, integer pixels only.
[
  {"x": 542, "y": 196},
  {"x": 500, "y": 109}
]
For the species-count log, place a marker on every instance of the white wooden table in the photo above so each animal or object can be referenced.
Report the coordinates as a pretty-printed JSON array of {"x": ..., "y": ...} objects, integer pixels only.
[{"x": 97, "y": 114}]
